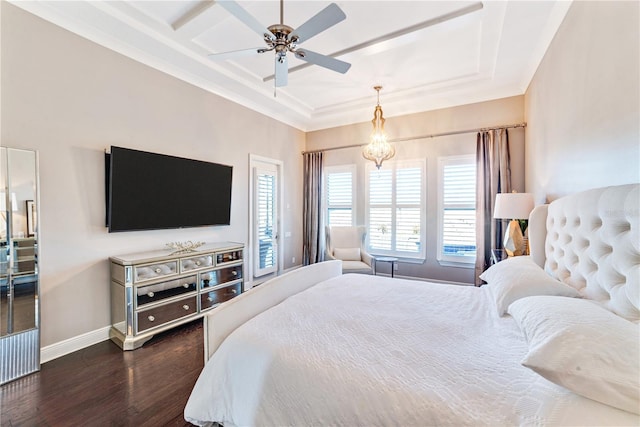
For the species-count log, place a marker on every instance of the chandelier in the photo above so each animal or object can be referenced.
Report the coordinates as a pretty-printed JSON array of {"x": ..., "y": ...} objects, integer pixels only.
[{"x": 378, "y": 149}]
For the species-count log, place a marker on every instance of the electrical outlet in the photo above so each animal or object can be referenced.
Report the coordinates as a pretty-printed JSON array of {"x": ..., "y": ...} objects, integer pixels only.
[
  {"x": 395, "y": 266},
  {"x": 293, "y": 260}
]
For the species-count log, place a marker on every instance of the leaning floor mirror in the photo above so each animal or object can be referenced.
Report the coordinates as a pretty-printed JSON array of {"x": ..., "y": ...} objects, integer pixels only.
[{"x": 19, "y": 284}]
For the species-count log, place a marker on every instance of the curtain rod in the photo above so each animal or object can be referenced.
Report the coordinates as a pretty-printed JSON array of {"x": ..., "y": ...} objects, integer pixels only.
[{"x": 434, "y": 135}]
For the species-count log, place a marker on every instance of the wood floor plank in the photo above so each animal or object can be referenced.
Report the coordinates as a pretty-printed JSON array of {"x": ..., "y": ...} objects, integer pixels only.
[{"x": 103, "y": 386}]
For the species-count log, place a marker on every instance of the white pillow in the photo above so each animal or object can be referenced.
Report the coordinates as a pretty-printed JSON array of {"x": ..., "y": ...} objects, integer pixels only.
[
  {"x": 347, "y": 254},
  {"x": 582, "y": 346},
  {"x": 519, "y": 277}
]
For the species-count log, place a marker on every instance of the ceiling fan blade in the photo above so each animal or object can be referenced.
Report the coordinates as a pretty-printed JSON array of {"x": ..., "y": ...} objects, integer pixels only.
[
  {"x": 327, "y": 17},
  {"x": 282, "y": 71},
  {"x": 235, "y": 54},
  {"x": 323, "y": 60},
  {"x": 419, "y": 26},
  {"x": 236, "y": 10}
]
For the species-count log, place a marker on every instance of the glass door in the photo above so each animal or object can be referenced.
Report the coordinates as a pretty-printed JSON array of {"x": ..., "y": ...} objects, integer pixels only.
[{"x": 266, "y": 220}]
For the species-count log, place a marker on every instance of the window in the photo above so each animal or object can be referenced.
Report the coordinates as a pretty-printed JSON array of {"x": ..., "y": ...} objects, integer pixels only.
[
  {"x": 339, "y": 187},
  {"x": 395, "y": 209},
  {"x": 457, "y": 206}
]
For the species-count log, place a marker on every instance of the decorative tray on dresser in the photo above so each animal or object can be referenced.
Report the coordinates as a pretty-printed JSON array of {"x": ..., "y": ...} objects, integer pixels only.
[{"x": 158, "y": 290}]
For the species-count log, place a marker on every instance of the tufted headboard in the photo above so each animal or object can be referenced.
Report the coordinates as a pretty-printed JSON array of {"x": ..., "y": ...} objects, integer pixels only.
[{"x": 592, "y": 242}]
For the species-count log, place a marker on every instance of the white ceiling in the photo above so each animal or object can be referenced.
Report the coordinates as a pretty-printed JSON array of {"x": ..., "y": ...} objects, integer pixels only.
[{"x": 487, "y": 54}]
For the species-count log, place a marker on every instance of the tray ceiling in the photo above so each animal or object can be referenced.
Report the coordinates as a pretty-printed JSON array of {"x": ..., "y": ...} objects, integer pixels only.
[{"x": 490, "y": 53}]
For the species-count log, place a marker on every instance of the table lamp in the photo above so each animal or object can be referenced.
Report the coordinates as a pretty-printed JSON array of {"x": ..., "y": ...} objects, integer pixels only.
[{"x": 513, "y": 206}]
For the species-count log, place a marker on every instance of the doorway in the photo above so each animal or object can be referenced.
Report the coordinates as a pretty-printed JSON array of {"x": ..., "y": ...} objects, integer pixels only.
[{"x": 264, "y": 218}]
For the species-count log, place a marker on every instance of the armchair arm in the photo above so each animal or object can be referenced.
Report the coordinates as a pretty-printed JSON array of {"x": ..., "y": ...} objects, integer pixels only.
[{"x": 366, "y": 258}]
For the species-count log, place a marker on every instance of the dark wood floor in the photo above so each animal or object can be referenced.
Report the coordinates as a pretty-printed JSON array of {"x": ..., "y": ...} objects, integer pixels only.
[{"x": 103, "y": 386}]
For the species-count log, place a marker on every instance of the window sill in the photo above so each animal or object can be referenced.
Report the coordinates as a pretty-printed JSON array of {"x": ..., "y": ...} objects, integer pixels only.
[
  {"x": 457, "y": 264},
  {"x": 401, "y": 259}
]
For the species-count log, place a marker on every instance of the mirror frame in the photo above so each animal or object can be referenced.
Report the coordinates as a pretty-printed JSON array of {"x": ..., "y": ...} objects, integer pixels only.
[{"x": 19, "y": 351}]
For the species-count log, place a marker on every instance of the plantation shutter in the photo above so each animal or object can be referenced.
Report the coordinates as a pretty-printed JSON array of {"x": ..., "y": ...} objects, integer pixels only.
[
  {"x": 380, "y": 209},
  {"x": 395, "y": 209},
  {"x": 459, "y": 211},
  {"x": 266, "y": 222},
  {"x": 408, "y": 195},
  {"x": 340, "y": 198}
]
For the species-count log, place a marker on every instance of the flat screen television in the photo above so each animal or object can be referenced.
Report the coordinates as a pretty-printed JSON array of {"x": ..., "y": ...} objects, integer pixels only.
[{"x": 148, "y": 191}]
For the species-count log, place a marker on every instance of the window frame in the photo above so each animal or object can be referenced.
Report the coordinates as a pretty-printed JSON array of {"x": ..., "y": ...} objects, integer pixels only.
[
  {"x": 349, "y": 168},
  {"x": 451, "y": 260},
  {"x": 395, "y": 165}
]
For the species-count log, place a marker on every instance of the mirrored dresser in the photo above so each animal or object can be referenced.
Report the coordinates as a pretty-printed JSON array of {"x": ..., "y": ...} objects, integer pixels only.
[{"x": 155, "y": 291}]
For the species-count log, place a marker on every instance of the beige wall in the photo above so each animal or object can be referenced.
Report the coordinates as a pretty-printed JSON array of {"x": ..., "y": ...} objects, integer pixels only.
[
  {"x": 70, "y": 99},
  {"x": 582, "y": 105},
  {"x": 486, "y": 114}
]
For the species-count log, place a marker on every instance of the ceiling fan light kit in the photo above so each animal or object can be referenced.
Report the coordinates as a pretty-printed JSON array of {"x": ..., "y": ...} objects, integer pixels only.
[
  {"x": 282, "y": 38},
  {"x": 379, "y": 149}
]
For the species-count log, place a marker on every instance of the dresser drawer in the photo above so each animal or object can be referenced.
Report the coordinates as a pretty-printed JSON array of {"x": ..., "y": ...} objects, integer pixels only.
[
  {"x": 161, "y": 314},
  {"x": 143, "y": 273},
  {"x": 227, "y": 257},
  {"x": 163, "y": 290},
  {"x": 209, "y": 299},
  {"x": 220, "y": 276},
  {"x": 196, "y": 263}
]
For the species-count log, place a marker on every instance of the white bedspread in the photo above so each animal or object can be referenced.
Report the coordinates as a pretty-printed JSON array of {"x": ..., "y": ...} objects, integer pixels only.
[{"x": 370, "y": 351}]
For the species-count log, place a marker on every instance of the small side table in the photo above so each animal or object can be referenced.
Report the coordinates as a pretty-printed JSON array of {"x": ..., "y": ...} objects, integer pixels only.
[{"x": 393, "y": 261}]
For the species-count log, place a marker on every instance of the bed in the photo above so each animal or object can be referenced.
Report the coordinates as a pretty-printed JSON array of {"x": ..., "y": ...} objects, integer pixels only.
[{"x": 552, "y": 339}]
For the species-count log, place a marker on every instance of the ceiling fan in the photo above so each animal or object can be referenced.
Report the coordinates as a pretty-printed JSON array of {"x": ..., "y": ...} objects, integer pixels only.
[
  {"x": 281, "y": 38},
  {"x": 464, "y": 10}
]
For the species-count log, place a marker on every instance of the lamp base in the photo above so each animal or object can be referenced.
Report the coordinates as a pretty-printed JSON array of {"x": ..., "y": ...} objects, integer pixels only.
[{"x": 513, "y": 239}]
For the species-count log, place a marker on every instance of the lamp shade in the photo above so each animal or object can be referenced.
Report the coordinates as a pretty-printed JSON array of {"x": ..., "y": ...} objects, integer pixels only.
[
  {"x": 3, "y": 202},
  {"x": 513, "y": 205}
]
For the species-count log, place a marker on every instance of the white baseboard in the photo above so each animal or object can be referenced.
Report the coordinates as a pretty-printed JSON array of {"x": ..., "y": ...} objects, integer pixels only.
[{"x": 70, "y": 345}]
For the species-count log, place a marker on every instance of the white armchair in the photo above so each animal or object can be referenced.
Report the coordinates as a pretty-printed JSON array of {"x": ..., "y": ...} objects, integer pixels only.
[{"x": 347, "y": 244}]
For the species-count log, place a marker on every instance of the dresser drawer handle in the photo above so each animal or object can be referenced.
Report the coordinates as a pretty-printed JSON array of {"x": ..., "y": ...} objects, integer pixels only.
[
  {"x": 150, "y": 294},
  {"x": 210, "y": 298},
  {"x": 151, "y": 318},
  {"x": 234, "y": 291},
  {"x": 235, "y": 273},
  {"x": 186, "y": 286},
  {"x": 158, "y": 270},
  {"x": 198, "y": 262},
  {"x": 186, "y": 307}
]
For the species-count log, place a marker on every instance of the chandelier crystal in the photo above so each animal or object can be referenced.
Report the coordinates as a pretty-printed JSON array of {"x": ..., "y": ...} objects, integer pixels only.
[{"x": 378, "y": 149}]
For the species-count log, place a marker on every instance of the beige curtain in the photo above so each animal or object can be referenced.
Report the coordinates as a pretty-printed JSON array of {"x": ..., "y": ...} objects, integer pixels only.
[
  {"x": 312, "y": 235},
  {"x": 493, "y": 176}
]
